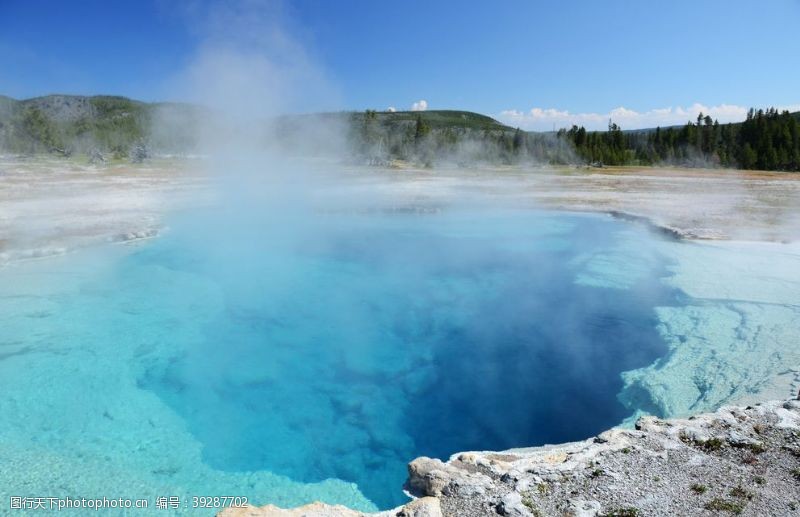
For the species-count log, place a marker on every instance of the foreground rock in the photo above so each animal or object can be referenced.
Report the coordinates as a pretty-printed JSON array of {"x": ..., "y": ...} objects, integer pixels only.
[{"x": 737, "y": 461}]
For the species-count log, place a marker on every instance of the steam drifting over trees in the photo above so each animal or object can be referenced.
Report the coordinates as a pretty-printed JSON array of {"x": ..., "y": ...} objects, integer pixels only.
[{"x": 120, "y": 128}]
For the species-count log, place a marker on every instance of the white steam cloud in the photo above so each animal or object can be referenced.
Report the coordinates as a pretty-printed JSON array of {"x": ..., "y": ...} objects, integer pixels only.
[
  {"x": 420, "y": 105},
  {"x": 247, "y": 71},
  {"x": 248, "y": 64},
  {"x": 544, "y": 119}
]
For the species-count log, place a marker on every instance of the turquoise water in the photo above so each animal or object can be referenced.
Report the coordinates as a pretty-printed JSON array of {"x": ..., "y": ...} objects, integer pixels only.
[{"x": 296, "y": 362}]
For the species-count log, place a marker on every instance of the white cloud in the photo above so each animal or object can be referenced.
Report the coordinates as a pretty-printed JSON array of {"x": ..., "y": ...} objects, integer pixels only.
[
  {"x": 420, "y": 105},
  {"x": 391, "y": 109},
  {"x": 539, "y": 119}
]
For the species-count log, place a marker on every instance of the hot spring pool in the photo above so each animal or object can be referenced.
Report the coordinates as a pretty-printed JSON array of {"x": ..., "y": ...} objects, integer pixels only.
[{"x": 291, "y": 365}]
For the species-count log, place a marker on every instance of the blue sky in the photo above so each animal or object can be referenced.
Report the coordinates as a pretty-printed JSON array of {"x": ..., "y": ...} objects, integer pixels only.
[{"x": 530, "y": 63}]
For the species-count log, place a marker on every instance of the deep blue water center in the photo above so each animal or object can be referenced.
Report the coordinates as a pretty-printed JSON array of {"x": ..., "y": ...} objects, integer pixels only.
[{"x": 347, "y": 347}]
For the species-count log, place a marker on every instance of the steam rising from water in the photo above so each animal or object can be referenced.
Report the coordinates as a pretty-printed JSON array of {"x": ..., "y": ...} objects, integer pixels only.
[
  {"x": 348, "y": 345},
  {"x": 249, "y": 69},
  {"x": 249, "y": 66}
]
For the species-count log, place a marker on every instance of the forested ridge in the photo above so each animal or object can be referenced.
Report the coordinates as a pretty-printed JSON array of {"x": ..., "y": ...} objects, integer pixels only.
[
  {"x": 766, "y": 140},
  {"x": 115, "y": 126}
]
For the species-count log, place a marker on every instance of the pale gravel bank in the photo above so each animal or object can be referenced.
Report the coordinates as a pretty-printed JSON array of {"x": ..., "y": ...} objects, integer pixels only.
[
  {"x": 717, "y": 204},
  {"x": 736, "y": 461},
  {"x": 50, "y": 206}
]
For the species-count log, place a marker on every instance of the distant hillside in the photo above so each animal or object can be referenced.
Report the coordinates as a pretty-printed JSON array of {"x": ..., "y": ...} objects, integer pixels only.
[
  {"x": 117, "y": 126},
  {"x": 71, "y": 123},
  {"x": 439, "y": 119},
  {"x": 110, "y": 124},
  {"x": 435, "y": 119},
  {"x": 425, "y": 137}
]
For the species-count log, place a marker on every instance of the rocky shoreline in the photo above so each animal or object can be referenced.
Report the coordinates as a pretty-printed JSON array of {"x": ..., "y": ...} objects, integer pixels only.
[{"x": 735, "y": 461}]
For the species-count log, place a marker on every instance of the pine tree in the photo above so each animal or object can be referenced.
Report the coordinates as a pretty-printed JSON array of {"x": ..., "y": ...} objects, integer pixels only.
[
  {"x": 519, "y": 141},
  {"x": 421, "y": 130}
]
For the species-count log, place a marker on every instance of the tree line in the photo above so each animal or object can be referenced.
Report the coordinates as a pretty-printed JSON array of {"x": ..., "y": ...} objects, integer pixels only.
[{"x": 766, "y": 140}]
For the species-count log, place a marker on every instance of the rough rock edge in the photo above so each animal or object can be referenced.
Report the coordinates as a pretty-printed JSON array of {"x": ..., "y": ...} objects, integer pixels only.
[
  {"x": 670, "y": 232},
  {"x": 738, "y": 460}
]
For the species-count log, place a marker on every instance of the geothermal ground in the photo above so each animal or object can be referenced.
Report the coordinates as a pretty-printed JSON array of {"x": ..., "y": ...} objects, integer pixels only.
[
  {"x": 697, "y": 203},
  {"x": 50, "y": 206}
]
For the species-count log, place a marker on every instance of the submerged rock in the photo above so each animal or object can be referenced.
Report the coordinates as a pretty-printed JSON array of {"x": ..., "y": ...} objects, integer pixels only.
[{"x": 739, "y": 460}]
